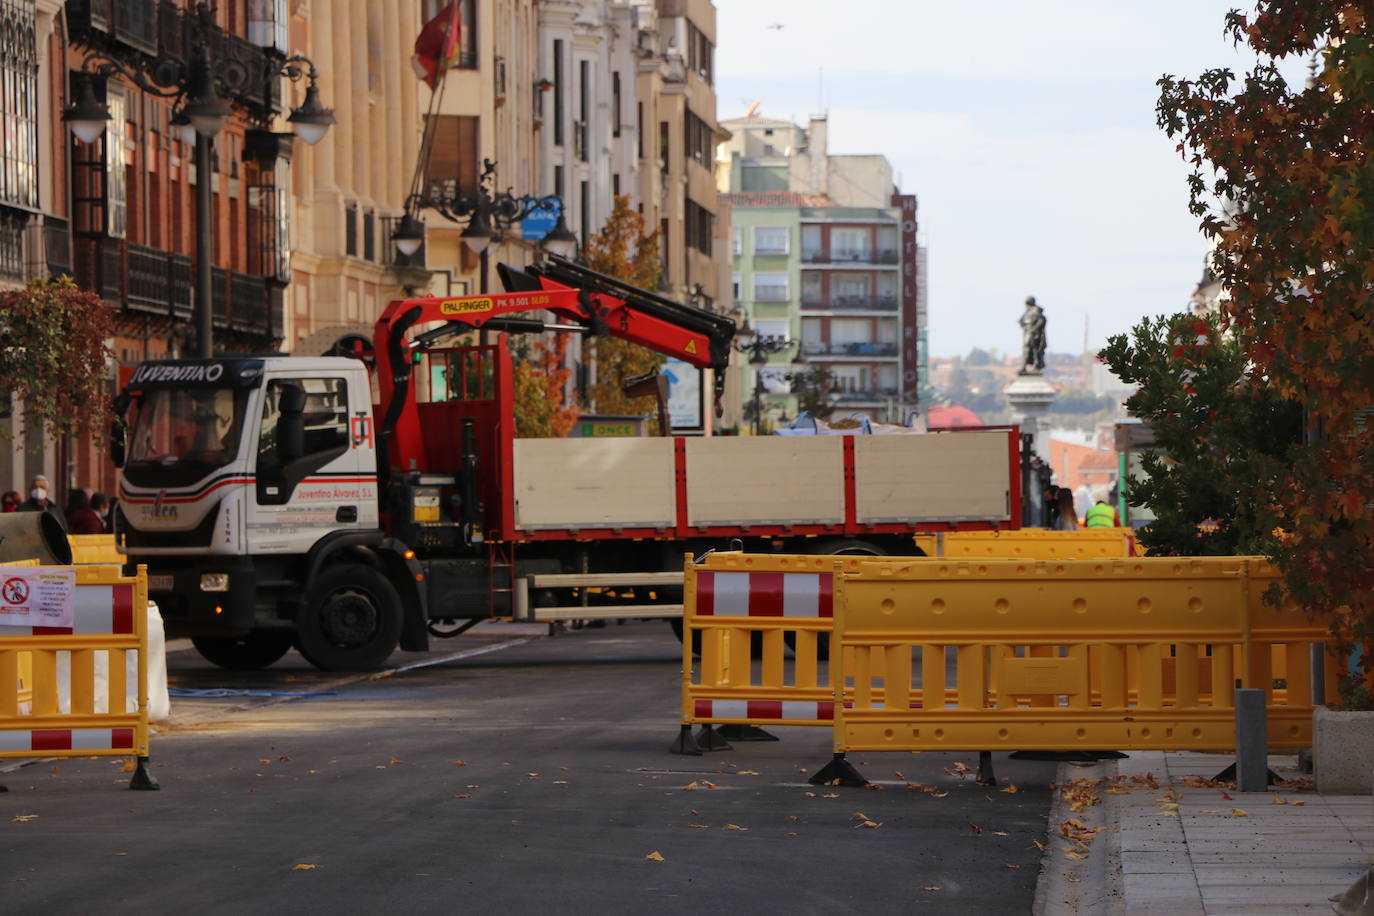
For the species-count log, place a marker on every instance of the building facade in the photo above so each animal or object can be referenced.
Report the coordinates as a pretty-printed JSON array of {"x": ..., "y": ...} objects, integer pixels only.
[{"x": 826, "y": 255}]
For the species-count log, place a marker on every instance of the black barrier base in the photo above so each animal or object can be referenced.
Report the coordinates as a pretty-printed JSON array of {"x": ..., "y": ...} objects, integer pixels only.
[
  {"x": 1067, "y": 756},
  {"x": 685, "y": 743},
  {"x": 744, "y": 733},
  {"x": 142, "y": 779},
  {"x": 838, "y": 772},
  {"x": 985, "y": 775},
  {"x": 711, "y": 741},
  {"x": 1229, "y": 775}
]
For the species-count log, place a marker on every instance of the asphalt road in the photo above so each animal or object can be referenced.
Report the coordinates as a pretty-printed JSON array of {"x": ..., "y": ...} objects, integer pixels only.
[{"x": 529, "y": 778}]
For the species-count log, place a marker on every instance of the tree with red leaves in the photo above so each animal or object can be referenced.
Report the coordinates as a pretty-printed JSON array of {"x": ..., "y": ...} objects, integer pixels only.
[{"x": 1283, "y": 179}]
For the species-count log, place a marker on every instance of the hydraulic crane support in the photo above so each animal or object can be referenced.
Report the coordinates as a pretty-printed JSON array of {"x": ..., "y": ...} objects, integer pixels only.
[{"x": 576, "y": 295}]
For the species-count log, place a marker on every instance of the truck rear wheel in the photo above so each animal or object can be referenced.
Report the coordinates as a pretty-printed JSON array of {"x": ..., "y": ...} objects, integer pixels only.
[
  {"x": 351, "y": 620},
  {"x": 254, "y": 650}
]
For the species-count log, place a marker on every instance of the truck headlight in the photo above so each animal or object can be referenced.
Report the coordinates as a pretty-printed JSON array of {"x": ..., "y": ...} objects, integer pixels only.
[{"x": 214, "y": 582}]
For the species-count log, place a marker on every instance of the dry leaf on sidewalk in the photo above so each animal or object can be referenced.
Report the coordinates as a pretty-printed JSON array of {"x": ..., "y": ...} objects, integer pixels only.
[
  {"x": 303, "y": 867},
  {"x": 655, "y": 856}
]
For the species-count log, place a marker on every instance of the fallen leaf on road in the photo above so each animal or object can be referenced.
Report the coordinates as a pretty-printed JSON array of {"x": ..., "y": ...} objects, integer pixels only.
[
  {"x": 1076, "y": 879},
  {"x": 1297, "y": 804},
  {"x": 809, "y": 794},
  {"x": 1207, "y": 811},
  {"x": 1117, "y": 791},
  {"x": 1238, "y": 812},
  {"x": 463, "y": 795},
  {"x": 1170, "y": 806},
  {"x": 1074, "y": 855},
  {"x": 460, "y": 763},
  {"x": 735, "y": 827},
  {"x": 655, "y": 856},
  {"x": 303, "y": 867},
  {"x": 746, "y": 772},
  {"x": 930, "y": 887},
  {"x": 938, "y": 794},
  {"x": 560, "y": 782},
  {"x": 1011, "y": 790},
  {"x": 1226, "y": 795},
  {"x": 1009, "y": 865},
  {"x": 1038, "y": 845},
  {"x": 831, "y": 795},
  {"x": 871, "y": 824},
  {"x": 975, "y": 829},
  {"x": 23, "y": 818},
  {"x": 858, "y": 816},
  {"x": 898, "y": 774},
  {"x": 999, "y": 833},
  {"x": 531, "y": 775},
  {"x": 266, "y": 761},
  {"x": 793, "y": 817},
  {"x": 284, "y": 757},
  {"x": 395, "y": 762},
  {"x": 130, "y": 765},
  {"x": 875, "y": 787},
  {"x": 312, "y": 772},
  {"x": 1168, "y": 814},
  {"x": 1279, "y": 799},
  {"x": 698, "y": 826}
]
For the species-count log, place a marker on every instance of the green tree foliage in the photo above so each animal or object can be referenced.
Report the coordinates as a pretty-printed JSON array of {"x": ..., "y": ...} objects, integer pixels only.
[
  {"x": 1295, "y": 166},
  {"x": 53, "y": 356},
  {"x": 624, "y": 250},
  {"x": 1221, "y": 443},
  {"x": 813, "y": 387}
]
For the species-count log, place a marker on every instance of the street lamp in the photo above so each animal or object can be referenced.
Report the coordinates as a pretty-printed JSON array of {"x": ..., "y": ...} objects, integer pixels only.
[
  {"x": 487, "y": 213},
  {"x": 203, "y": 89},
  {"x": 759, "y": 347}
]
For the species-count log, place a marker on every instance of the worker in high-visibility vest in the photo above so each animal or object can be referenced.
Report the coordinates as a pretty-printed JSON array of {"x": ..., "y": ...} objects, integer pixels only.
[{"x": 1100, "y": 515}]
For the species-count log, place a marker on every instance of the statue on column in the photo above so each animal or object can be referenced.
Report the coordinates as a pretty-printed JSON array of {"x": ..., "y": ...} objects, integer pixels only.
[{"x": 1032, "y": 338}]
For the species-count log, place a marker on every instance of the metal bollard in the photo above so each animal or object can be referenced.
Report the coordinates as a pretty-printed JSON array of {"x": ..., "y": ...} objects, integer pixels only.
[{"x": 1252, "y": 741}]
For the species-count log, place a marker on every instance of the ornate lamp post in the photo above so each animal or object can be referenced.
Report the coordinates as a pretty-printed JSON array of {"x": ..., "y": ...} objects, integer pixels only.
[
  {"x": 488, "y": 215},
  {"x": 203, "y": 84},
  {"x": 759, "y": 347}
]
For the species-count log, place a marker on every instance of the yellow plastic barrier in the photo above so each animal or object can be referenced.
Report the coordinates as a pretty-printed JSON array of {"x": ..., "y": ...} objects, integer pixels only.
[
  {"x": 738, "y": 605},
  {"x": 1029, "y": 544},
  {"x": 64, "y": 690},
  {"x": 95, "y": 548},
  {"x": 1045, "y": 654}
]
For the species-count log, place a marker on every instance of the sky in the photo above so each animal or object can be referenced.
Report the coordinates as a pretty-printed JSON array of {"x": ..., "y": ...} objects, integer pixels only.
[{"x": 1026, "y": 130}]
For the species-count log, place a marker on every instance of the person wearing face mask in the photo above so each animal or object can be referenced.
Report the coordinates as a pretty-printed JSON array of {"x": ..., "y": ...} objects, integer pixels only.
[
  {"x": 38, "y": 500},
  {"x": 81, "y": 518},
  {"x": 100, "y": 505}
]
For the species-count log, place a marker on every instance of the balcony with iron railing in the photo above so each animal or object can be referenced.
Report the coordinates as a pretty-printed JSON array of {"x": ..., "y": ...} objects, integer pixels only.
[
  {"x": 151, "y": 281},
  {"x": 846, "y": 258},
  {"x": 823, "y": 349},
  {"x": 853, "y": 303},
  {"x": 864, "y": 396}
]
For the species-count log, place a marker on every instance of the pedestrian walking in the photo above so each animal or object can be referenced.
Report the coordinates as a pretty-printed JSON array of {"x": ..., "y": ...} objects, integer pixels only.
[
  {"x": 100, "y": 505},
  {"x": 10, "y": 501},
  {"x": 1068, "y": 518},
  {"x": 38, "y": 500},
  {"x": 81, "y": 518}
]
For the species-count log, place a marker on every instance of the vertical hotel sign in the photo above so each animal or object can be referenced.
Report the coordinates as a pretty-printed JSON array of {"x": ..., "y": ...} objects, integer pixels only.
[{"x": 911, "y": 319}]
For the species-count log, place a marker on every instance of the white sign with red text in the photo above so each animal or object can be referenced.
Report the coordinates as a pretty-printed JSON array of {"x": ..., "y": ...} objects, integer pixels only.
[{"x": 37, "y": 596}]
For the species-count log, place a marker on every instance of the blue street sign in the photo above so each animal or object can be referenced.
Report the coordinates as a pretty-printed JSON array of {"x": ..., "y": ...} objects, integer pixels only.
[{"x": 539, "y": 224}]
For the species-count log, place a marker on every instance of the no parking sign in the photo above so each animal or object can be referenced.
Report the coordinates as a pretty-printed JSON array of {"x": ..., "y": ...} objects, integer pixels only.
[{"x": 37, "y": 596}]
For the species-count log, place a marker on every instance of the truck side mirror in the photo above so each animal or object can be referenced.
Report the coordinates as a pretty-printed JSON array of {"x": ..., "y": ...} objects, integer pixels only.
[
  {"x": 117, "y": 447},
  {"x": 291, "y": 424}
]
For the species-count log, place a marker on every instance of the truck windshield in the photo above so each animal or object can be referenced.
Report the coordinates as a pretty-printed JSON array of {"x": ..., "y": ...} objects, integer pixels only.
[{"x": 178, "y": 435}]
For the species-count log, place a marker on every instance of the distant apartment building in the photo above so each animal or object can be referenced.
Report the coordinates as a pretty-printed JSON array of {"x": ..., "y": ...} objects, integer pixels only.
[{"x": 825, "y": 255}]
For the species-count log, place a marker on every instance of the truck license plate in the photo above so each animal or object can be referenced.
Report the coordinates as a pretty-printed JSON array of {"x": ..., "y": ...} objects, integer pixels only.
[{"x": 160, "y": 583}]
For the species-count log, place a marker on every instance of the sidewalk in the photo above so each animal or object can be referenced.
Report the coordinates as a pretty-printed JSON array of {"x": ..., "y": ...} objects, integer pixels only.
[{"x": 1174, "y": 842}]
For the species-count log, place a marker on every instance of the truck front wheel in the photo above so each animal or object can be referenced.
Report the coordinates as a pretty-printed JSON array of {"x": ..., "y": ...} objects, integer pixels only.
[
  {"x": 351, "y": 620},
  {"x": 254, "y": 650}
]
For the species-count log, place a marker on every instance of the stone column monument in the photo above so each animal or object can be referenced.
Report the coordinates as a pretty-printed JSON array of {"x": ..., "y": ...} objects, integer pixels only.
[{"x": 1029, "y": 395}]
